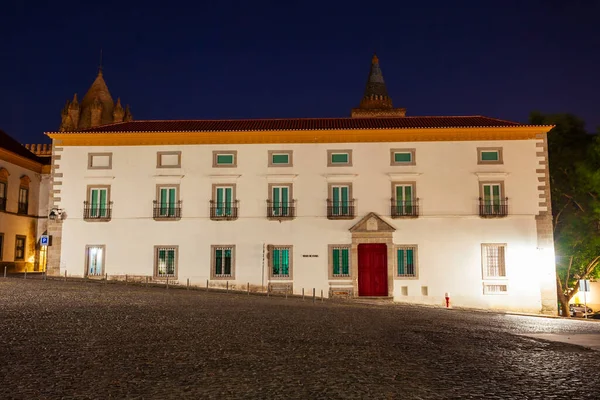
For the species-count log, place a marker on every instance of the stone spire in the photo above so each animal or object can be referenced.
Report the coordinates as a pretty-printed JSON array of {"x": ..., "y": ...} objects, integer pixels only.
[
  {"x": 376, "y": 102},
  {"x": 96, "y": 108}
]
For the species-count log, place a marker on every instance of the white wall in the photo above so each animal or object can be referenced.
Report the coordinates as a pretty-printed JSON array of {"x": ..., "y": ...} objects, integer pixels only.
[{"x": 448, "y": 232}]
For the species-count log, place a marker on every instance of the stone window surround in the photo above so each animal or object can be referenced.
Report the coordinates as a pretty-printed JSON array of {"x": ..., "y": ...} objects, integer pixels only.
[
  {"x": 87, "y": 259},
  {"x": 168, "y": 186},
  {"x": 330, "y": 261},
  {"x": 155, "y": 270},
  {"x": 341, "y": 151},
  {"x": 17, "y": 237},
  {"x": 413, "y": 184},
  {"x": 330, "y": 186},
  {"x": 159, "y": 155},
  {"x": 489, "y": 280},
  {"x": 482, "y": 162},
  {"x": 290, "y": 277},
  {"x": 494, "y": 182},
  {"x": 216, "y": 153},
  {"x": 91, "y": 159},
  {"x": 415, "y": 248},
  {"x": 290, "y": 187},
  {"x": 89, "y": 192},
  {"x": 224, "y": 185},
  {"x": 2, "y": 245},
  {"x": 290, "y": 154},
  {"x": 395, "y": 163},
  {"x": 213, "y": 248}
]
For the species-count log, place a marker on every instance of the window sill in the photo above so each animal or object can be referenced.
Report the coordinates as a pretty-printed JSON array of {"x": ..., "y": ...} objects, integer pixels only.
[
  {"x": 97, "y": 219},
  {"x": 406, "y": 278},
  {"x": 222, "y": 278}
]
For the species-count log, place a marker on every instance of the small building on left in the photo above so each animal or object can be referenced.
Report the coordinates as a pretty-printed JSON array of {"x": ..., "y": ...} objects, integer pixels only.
[{"x": 25, "y": 175}]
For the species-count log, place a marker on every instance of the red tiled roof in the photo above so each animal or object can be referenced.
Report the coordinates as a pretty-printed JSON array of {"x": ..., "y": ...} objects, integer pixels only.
[
  {"x": 10, "y": 144},
  {"x": 294, "y": 124}
]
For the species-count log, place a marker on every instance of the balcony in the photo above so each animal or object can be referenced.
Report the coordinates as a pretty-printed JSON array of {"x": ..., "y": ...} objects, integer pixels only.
[
  {"x": 167, "y": 211},
  {"x": 405, "y": 209},
  {"x": 22, "y": 208},
  {"x": 493, "y": 208},
  {"x": 97, "y": 212},
  {"x": 224, "y": 211},
  {"x": 279, "y": 210},
  {"x": 2, "y": 203},
  {"x": 341, "y": 209}
]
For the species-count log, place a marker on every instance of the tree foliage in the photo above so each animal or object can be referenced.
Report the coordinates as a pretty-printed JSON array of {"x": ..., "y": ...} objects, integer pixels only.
[{"x": 574, "y": 161}]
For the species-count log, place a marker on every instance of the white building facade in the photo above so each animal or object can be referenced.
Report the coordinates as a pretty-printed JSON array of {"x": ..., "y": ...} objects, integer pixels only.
[{"x": 409, "y": 213}]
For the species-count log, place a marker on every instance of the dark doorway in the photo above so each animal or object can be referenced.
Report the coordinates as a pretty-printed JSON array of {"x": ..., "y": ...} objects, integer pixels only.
[{"x": 372, "y": 270}]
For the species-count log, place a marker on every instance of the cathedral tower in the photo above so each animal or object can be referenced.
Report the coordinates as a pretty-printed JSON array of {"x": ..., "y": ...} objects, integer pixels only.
[
  {"x": 96, "y": 108},
  {"x": 376, "y": 102}
]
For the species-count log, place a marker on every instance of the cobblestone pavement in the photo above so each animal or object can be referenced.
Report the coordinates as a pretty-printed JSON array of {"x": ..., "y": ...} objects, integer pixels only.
[{"x": 72, "y": 340}]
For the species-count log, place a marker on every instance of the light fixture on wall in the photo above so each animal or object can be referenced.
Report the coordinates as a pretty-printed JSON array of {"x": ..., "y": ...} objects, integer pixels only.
[{"x": 56, "y": 213}]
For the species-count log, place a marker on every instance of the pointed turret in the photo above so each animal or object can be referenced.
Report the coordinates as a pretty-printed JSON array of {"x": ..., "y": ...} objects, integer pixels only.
[
  {"x": 118, "y": 113},
  {"x": 376, "y": 101}
]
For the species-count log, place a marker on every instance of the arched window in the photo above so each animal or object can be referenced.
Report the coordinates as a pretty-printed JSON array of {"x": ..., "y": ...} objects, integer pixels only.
[{"x": 23, "y": 206}]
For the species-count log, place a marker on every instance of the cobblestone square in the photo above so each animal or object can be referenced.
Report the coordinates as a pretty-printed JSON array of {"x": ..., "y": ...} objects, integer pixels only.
[{"x": 76, "y": 340}]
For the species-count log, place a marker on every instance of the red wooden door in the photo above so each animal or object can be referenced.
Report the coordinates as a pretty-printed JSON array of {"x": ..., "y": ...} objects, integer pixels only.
[{"x": 372, "y": 270}]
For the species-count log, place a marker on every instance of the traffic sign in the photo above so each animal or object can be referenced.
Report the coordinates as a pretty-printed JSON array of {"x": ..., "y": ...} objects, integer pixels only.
[{"x": 44, "y": 240}]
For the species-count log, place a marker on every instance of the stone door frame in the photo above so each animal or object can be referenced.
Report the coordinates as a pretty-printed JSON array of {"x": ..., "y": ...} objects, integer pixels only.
[{"x": 368, "y": 238}]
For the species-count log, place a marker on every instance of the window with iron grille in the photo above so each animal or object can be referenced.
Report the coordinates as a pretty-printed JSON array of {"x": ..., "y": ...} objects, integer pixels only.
[
  {"x": 340, "y": 261},
  {"x": 406, "y": 261},
  {"x": 20, "y": 248},
  {"x": 281, "y": 261},
  {"x": 494, "y": 289},
  {"x": 493, "y": 260},
  {"x": 165, "y": 261},
  {"x": 223, "y": 259},
  {"x": 95, "y": 260}
]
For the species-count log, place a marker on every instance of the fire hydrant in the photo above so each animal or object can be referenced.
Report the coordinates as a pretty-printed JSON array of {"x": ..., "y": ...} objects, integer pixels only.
[{"x": 447, "y": 296}]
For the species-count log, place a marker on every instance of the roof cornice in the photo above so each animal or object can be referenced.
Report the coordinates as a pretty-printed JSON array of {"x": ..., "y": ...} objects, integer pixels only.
[{"x": 24, "y": 162}]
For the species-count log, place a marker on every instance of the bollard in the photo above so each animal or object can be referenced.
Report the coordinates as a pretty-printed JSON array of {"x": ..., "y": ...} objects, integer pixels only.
[
  {"x": 302, "y": 294},
  {"x": 207, "y": 285},
  {"x": 227, "y": 287},
  {"x": 248, "y": 289},
  {"x": 65, "y": 275},
  {"x": 188, "y": 283},
  {"x": 321, "y": 295},
  {"x": 125, "y": 279},
  {"x": 25, "y": 274},
  {"x": 286, "y": 292},
  {"x": 45, "y": 274},
  {"x": 5, "y": 271},
  {"x": 313, "y": 295},
  {"x": 167, "y": 283},
  {"x": 146, "y": 281},
  {"x": 268, "y": 290},
  {"x": 105, "y": 278}
]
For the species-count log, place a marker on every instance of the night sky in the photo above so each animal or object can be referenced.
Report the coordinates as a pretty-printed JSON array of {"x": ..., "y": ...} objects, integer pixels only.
[{"x": 249, "y": 59}]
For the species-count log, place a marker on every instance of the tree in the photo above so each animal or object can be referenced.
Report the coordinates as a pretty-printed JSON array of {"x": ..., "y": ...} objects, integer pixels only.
[{"x": 574, "y": 161}]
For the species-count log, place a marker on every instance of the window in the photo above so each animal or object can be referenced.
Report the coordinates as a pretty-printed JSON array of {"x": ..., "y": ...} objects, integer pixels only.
[
  {"x": 165, "y": 261},
  {"x": 281, "y": 262},
  {"x": 97, "y": 206},
  {"x": 340, "y": 203},
  {"x": 224, "y": 203},
  {"x": 402, "y": 157},
  {"x": 23, "y": 203},
  {"x": 20, "y": 248},
  {"x": 403, "y": 199},
  {"x": 493, "y": 260},
  {"x": 2, "y": 196},
  {"x": 223, "y": 262},
  {"x": 224, "y": 159},
  {"x": 94, "y": 260},
  {"x": 492, "y": 201},
  {"x": 339, "y": 261},
  {"x": 281, "y": 158},
  {"x": 167, "y": 203},
  {"x": 494, "y": 289},
  {"x": 489, "y": 155},
  {"x": 280, "y": 203},
  {"x": 406, "y": 261},
  {"x": 99, "y": 160},
  {"x": 1, "y": 245},
  {"x": 339, "y": 158},
  {"x": 168, "y": 159}
]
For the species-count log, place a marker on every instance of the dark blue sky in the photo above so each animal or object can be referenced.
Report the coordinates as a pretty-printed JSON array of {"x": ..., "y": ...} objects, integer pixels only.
[{"x": 251, "y": 59}]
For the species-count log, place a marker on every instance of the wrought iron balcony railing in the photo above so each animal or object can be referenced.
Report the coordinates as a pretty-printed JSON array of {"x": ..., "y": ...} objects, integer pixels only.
[
  {"x": 224, "y": 210},
  {"x": 97, "y": 212},
  {"x": 407, "y": 208},
  {"x": 280, "y": 210},
  {"x": 167, "y": 211},
  {"x": 491, "y": 208},
  {"x": 341, "y": 209}
]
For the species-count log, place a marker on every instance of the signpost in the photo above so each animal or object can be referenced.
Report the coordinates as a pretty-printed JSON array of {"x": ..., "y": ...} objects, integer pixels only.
[{"x": 44, "y": 240}]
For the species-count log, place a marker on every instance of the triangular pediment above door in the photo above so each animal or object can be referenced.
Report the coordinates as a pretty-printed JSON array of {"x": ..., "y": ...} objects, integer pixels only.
[{"x": 372, "y": 223}]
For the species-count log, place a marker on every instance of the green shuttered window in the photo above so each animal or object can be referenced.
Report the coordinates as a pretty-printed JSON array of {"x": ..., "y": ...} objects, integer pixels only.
[
  {"x": 281, "y": 262},
  {"x": 223, "y": 261},
  {"x": 166, "y": 260},
  {"x": 167, "y": 201},
  {"x": 340, "y": 158},
  {"x": 225, "y": 159},
  {"x": 341, "y": 261},
  {"x": 492, "y": 155},
  {"x": 406, "y": 261},
  {"x": 280, "y": 198},
  {"x": 492, "y": 194},
  {"x": 340, "y": 200},
  {"x": 98, "y": 202},
  {"x": 224, "y": 201},
  {"x": 283, "y": 159},
  {"x": 403, "y": 157},
  {"x": 404, "y": 199}
]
